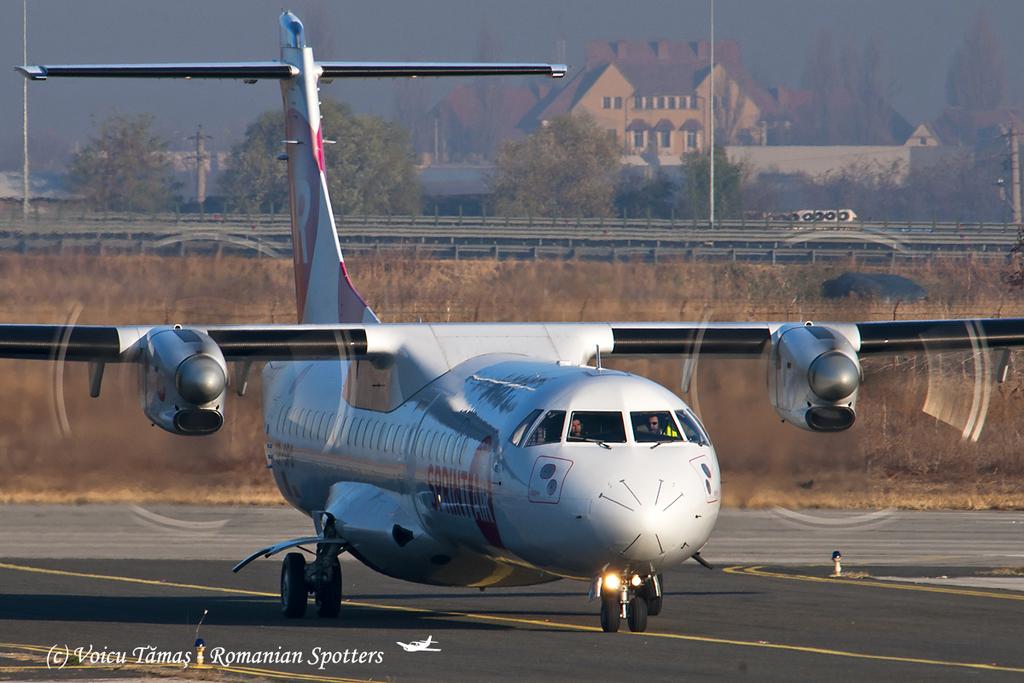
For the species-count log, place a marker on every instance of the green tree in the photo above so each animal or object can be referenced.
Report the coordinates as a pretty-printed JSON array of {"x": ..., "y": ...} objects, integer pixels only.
[
  {"x": 566, "y": 168},
  {"x": 729, "y": 182},
  {"x": 370, "y": 169},
  {"x": 125, "y": 167}
]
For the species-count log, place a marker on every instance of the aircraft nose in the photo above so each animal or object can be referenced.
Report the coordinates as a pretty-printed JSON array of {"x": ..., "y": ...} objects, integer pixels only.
[
  {"x": 654, "y": 513},
  {"x": 641, "y": 517}
]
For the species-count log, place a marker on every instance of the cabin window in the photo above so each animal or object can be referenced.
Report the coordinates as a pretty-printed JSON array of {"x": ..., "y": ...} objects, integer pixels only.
[
  {"x": 549, "y": 430},
  {"x": 604, "y": 426},
  {"x": 519, "y": 433}
]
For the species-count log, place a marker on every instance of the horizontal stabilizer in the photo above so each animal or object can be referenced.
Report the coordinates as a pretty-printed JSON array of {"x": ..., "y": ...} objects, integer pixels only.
[
  {"x": 246, "y": 71},
  {"x": 427, "y": 69}
]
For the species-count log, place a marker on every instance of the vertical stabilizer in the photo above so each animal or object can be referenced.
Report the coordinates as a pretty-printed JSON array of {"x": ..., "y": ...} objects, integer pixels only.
[{"x": 324, "y": 293}]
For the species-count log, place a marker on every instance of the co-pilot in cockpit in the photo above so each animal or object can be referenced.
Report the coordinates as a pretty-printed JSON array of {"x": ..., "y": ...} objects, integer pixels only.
[{"x": 607, "y": 427}]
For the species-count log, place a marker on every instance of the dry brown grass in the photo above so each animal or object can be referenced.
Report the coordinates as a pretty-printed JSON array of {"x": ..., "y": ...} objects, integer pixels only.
[
  {"x": 895, "y": 455},
  {"x": 1002, "y": 571}
]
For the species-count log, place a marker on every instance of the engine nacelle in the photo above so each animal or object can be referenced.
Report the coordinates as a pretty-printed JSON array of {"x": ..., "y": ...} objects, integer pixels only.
[
  {"x": 182, "y": 381},
  {"x": 813, "y": 378}
]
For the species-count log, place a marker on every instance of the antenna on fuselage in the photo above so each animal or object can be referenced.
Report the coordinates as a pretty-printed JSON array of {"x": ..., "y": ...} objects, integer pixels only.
[{"x": 598, "y": 356}]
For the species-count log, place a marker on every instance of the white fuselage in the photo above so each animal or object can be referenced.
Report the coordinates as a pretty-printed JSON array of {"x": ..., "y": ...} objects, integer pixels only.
[{"x": 436, "y": 491}]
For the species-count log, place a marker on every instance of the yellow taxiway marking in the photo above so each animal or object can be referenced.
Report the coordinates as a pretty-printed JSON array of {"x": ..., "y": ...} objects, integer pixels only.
[
  {"x": 872, "y": 583},
  {"x": 549, "y": 624},
  {"x": 247, "y": 670}
]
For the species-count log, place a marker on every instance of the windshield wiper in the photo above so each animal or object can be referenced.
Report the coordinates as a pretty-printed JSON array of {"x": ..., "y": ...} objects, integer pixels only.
[
  {"x": 600, "y": 443},
  {"x": 658, "y": 443}
]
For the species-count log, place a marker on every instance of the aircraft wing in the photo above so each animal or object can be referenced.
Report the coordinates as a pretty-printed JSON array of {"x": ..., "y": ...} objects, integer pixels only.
[
  {"x": 115, "y": 344},
  {"x": 112, "y": 344}
]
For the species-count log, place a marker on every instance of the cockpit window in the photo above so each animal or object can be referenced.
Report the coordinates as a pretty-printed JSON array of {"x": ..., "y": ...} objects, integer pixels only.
[
  {"x": 549, "y": 430},
  {"x": 519, "y": 433},
  {"x": 692, "y": 428},
  {"x": 653, "y": 426},
  {"x": 605, "y": 427}
]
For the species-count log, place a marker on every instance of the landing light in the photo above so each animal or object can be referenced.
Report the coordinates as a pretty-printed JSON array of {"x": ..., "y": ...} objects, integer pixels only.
[
  {"x": 636, "y": 580},
  {"x": 612, "y": 582}
]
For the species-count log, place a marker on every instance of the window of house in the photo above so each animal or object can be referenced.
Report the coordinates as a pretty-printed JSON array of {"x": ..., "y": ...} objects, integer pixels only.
[
  {"x": 638, "y": 138},
  {"x": 661, "y": 103},
  {"x": 671, "y": 101},
  {"x": 618, "y": 103},
  {"x": 924, "y": 140},
  {"x": 691, "y": 139},
  {"x": 606, "y": 103},
  {"x": 665, "y": 138},
  {"x": 638, "y": 102}
]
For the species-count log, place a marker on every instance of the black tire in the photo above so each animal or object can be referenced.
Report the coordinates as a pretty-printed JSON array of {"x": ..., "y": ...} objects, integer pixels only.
[
  {"x": 830, "y": 215},
  {"x": 610, "y": 615},
  {"x": 328, "y": 598},
  {"x": 293, "y": 585},
  {"x": 654, "y": 602},
  {"x": 636, "y": 615},
  {"x": 844, "y": 216}
]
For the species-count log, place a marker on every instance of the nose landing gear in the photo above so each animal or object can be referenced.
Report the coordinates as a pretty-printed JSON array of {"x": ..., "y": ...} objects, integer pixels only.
[{"x": 630, "y": 600}]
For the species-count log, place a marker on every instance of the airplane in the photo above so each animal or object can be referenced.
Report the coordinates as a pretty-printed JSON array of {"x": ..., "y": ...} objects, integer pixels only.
[
  {"x": 474, "y": 455},
  {"x": 419, "y": 645}
]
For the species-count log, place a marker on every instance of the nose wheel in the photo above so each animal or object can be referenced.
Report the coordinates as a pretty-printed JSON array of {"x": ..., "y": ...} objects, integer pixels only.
[{"x": 625, "y": 603}]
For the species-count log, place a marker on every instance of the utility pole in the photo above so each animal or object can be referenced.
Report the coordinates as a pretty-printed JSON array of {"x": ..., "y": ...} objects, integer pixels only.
[
  {"x": 711, "y": 118},
  {"x": 1015, "y": 175},
  {"x": 24, "y": 112},
  {"x": 201, "y": 157}
]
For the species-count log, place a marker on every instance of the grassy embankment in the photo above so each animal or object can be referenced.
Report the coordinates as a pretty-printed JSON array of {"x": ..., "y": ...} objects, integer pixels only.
[{"x": 57, "y": 444}]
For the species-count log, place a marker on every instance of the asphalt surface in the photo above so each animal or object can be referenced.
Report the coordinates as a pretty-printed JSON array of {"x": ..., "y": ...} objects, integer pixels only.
[{"x": 752, "y": 618}]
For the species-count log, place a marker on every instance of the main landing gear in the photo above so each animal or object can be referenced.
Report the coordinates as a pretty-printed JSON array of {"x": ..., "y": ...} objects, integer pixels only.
[
  {"x": 321, "y": 577},
  {"x": 632, "y": 599}
]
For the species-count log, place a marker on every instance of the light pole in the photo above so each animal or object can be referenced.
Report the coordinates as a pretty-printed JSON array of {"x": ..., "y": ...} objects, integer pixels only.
[
  {"x": 24, "y": 112},
  {"x": 711, "y": 119}
]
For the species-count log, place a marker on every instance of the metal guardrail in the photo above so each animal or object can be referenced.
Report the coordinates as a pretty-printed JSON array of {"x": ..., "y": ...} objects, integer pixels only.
[{"x": 524, "y": 238}]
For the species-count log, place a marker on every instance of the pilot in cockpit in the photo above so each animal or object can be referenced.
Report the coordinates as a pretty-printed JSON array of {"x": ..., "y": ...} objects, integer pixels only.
[{"x": 651, "y": 427}]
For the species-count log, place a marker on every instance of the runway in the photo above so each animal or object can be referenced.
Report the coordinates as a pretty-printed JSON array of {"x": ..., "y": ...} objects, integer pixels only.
[{"x": 754, "y": 617}]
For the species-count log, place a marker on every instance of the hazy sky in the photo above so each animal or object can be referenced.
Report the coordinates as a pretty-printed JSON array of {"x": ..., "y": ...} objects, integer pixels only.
[{"x": 917, "y": 38}]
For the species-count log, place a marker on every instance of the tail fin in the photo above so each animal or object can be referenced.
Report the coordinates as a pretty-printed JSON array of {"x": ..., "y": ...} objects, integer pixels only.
[{"x": 323, "y": 291}]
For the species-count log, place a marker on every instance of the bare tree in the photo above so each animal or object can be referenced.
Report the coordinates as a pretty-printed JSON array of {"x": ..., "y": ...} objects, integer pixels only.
[
  {"x": 412, "y": 111},
  {"x": 486, "y": 136},
  {"x": 977, "y": 74}
]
